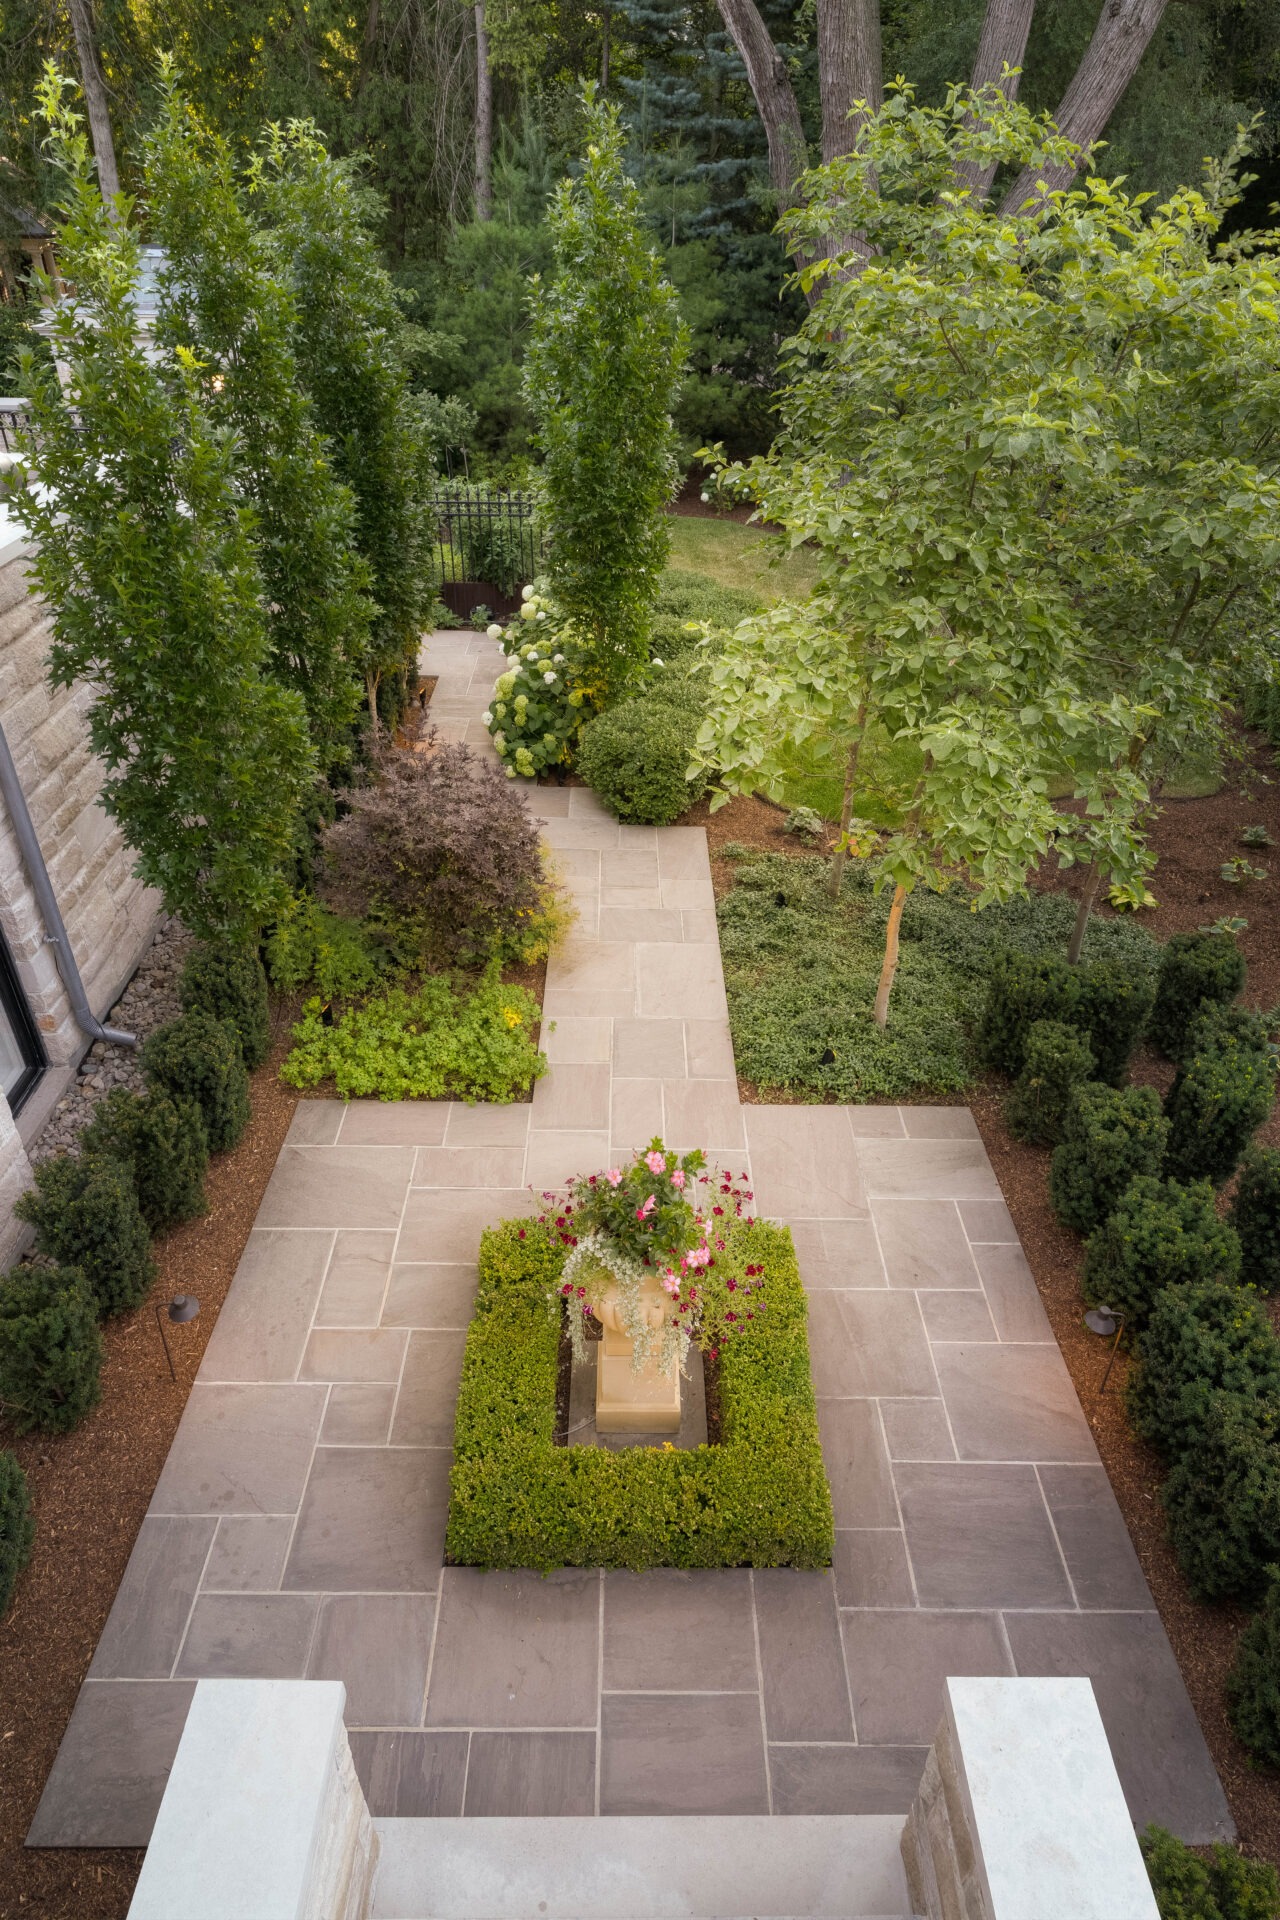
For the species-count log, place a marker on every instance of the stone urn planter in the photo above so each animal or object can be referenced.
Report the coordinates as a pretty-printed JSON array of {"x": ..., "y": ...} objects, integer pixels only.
[{"x": 631, "y": 1398}]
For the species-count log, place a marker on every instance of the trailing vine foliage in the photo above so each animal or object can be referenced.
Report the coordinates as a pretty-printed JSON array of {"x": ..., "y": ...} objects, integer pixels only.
[
  {"x": 347, "y": 337},
  {"x": 222, "y": 298},
  {"x": 603, "y": 368},
  {"x": 144, "y": 552}
]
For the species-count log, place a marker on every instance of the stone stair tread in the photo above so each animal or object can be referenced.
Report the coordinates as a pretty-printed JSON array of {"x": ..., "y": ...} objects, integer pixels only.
[{"x": 626, "y": 1867}]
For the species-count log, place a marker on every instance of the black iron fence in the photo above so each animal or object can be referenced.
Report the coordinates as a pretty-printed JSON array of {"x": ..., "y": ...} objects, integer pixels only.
[
  {"x": 12, "y": 417},
  {"x": 489, "y": 544}
]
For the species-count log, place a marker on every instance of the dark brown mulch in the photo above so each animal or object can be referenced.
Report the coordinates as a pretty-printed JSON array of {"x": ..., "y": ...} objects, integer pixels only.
[
  {"x": 1192, "y": 839},
  {"x": 90, "y": 1490}
]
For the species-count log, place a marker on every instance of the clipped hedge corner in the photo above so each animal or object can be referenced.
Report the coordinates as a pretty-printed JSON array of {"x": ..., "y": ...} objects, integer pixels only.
[{"x": 760, "y": 1498}]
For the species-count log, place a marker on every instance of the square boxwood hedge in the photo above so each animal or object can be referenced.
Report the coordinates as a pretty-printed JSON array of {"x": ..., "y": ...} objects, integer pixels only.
[{"x": 759, "y": 1498}]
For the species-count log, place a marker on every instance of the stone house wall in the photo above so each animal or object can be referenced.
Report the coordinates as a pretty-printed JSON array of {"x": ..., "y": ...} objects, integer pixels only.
[{"x": 109, "y": 914}]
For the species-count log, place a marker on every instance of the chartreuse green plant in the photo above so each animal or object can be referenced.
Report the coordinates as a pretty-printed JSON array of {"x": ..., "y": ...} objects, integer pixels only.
[
  {"x": 311, "y": 947},
  {"x": 605, "y": 358},
  {"x": 759, "y": 1498},
  {"x": 348, "y": 340},
  {"x": 1253, "y": 1693},
  {"x": 50, "y": 1347},
  {"x": 1027, "y": 453},
  {"x": 84, "y": 1208},
  {"x": 223, "y": 298},
  {"x": 444, "y": 1040},
  {"x": 17, "y": 1528},
  {"x": 1219, "y": 1885},
  {"x": 144, "y": 553}
]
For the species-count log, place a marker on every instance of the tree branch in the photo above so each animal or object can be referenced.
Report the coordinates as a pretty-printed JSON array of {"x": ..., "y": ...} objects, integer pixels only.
[
  {"x": 1120, "y": 39},
  {"x": 1005, "y": 27},
  {"x": 775, "y": 100}
]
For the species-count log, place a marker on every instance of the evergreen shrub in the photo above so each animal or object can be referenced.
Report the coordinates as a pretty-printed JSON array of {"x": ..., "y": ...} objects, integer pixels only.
[
  {"x": 197, "y": 1057},
  {"x": 1116, "y": 1004},
  {"x": 759, "y": 1498},
  {"x": 1056, "y": 1059},
  {"x": 1158, "y": 1234},
  {"x": 17, "y": 1529},
  {"x": 1221, "y": 1885},
  {"x": 634, "y": 756},
  {"x": 1219, "y": 1098},
  {"x": 1253, "y": 1689},
  {"x": 1222, "y": 1499},
  {"x": 684, "y": 594},
  {"x": 1111, "y": 1137},
  {"x": 230, "y": 983},
  {"x": 1255, "y": 1215},
  {"x": 1202, "y": 1338},
  {"x": 85, "y": 1211},
  {"x": 162, "y": 1141},
  {"x": 1194, "y": 967},
  {"x": 50, "y": 1347}
]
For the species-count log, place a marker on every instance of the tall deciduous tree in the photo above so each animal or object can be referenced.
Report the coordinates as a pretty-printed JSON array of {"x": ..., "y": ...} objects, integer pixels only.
[
  {"x": 603, "y": 367},
  {"x": 222, "y": 299},
  {"x": 347, "y": 340},
  {"x": 143, "y": 551},
  {"x": 1035, "y": 459},
  {"x": 95, "y": 96}
]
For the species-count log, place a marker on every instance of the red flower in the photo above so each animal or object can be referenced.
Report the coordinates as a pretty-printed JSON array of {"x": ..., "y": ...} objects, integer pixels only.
[{"x": 520, "y": 1235}]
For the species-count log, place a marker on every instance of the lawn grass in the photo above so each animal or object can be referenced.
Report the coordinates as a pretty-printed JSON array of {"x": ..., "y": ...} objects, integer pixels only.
[
  {"x": 741, "y": 556},
  {"x": 801, "y": 976}
]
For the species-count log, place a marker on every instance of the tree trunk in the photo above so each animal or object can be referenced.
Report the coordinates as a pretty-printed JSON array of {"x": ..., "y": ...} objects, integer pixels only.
[
  {"x": 841, "y": 853},
  {"x": 1085, "y": 909},
  {"x": 1111, "y": 59},
  {"x": 484, "y": 120},
  {"x": 890, "y": 964},
  {"x": 1004, "y": 42},
  {"x": 95, "y": 98},
  {"x": 371, "y": 680},
  {"x": 606, "y": 23},
  {"x": 774, "y": 98},
  {"x": 849, "y": 68}
]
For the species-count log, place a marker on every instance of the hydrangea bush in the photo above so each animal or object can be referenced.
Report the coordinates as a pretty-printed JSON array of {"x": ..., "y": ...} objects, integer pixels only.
[{"x": 541, "y": 701}]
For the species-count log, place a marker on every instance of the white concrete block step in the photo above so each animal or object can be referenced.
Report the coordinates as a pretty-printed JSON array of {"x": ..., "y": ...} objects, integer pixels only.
[{"x": 678, "y": 1867}]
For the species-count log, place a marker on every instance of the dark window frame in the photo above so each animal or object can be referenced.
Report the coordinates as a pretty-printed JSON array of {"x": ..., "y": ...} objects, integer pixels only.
[{"x": 14, "y": 1003}]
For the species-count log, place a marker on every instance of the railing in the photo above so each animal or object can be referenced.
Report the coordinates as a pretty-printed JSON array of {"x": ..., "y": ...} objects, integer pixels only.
[
  {"x": 489, "y": 544},
  {"x": 13, "y": 415}
]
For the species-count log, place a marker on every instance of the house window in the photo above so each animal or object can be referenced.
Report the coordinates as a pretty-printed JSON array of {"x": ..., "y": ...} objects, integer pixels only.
[{"x": 22, "y": 1058}]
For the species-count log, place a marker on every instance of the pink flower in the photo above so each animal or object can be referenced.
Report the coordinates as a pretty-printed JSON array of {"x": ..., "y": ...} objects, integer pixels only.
[
  {"x": 677, "y": 1178},
  {"x": 656, "y": 1162},
  {"x": 614, "y": 1176}
]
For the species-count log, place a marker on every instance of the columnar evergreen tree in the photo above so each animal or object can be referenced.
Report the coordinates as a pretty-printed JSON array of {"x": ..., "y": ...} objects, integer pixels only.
[
  {"x": 347, "y": 339},
  {"x": 144, "y": 553},
  {"x": 222, "y": 299},
  {"x": 602, "y": 371}
]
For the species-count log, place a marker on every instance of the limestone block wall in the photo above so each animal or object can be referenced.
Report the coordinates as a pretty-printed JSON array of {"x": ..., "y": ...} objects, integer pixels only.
[{"x": 109, "y": 914}]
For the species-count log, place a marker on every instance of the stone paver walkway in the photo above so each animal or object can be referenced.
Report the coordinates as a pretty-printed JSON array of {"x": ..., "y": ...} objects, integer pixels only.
[{"x": 297, "y": 1528}]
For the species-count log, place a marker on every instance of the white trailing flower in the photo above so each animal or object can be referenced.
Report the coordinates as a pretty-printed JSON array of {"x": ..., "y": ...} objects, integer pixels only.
[{"x": 667, "y": 1345}]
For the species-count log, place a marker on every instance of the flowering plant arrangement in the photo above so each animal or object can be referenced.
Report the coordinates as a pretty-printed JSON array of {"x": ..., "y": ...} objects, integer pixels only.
[
  {"x": 540, "y": 702},
  {"x": 663, "y": 1220}
]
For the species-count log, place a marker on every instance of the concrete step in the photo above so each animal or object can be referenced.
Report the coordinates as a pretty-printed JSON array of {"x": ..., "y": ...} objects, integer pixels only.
[{"x": 680, "y": 1867}]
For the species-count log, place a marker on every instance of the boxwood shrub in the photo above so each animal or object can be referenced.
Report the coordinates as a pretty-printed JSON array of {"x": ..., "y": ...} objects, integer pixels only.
[
  {"x": 1255, "y": 1216},
  {"x": 230, "y": 983},
  {"x": 1203, "y": 1337},
  {"x": 1194, "y": 968},
  {"x": 1109, "y": 1139},
  {"x": 635, "y": 756},
  {"x": 50, "y": 1347},
  {"x": 1219, "y": 1885},
  {"x": 1056, "y": 1059},
  {"x": 1253, "y": 1688},
  {"x": 85, "y": 1212},
  {"x": 759, "y": 1498},
  {"x": 1158, "y": 1234},
  {"x": 1219, "y": 1098},
  {"x": 1222, "y": 1499},
  {"x": 162, "y": 1142},
  {"x": 198, "y": 1057},
  {"x": 16, "y": 1526}
]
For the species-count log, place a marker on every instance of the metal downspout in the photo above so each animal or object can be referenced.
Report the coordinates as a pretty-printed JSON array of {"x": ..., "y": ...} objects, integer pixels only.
[{"x": 55, "y": 930}]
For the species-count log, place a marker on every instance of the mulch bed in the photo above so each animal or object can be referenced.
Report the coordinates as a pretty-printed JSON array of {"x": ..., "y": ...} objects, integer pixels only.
[
  {"x": 1192, "y": 838},
  {"x": 90, "y": 1490}
]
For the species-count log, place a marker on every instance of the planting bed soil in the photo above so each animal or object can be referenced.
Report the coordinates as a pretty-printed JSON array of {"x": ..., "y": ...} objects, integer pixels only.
[
  {"x": 90, "y": 1490},
  {"x": 1192, "y": 839}
]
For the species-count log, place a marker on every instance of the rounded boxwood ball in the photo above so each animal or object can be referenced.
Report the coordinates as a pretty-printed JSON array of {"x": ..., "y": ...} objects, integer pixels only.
[{"x": 635, "y": 756}]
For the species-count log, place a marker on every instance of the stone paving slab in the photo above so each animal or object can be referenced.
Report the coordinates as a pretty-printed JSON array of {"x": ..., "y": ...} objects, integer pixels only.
[{"x": 298, "y": 1524}]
